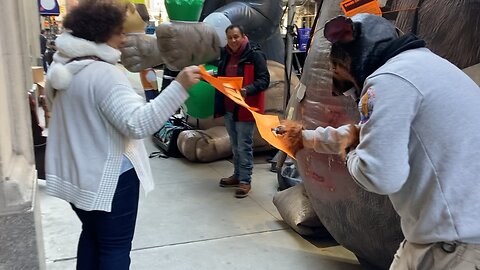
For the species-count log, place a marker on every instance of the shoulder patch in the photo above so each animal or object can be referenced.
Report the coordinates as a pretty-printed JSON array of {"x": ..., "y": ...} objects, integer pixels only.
[{"x": 366, "y": 104}]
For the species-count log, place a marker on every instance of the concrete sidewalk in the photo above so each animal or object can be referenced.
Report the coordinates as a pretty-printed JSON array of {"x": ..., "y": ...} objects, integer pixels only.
[{"x": 189, "y": 222}]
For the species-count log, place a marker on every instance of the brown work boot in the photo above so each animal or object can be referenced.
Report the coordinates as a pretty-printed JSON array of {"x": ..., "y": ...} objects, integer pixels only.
[
  {"x": 242, "y": 190},
  {"x": 231, "y": 181}
]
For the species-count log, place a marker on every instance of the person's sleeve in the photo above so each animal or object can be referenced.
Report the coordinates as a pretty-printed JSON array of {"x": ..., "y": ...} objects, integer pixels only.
[
  {"x": 134, "y": 118},
  {"x": 380, "y": 163},
  {"x": 326, "y": 140},
  {"x": 261, "y": 77},
  {"x": 49, "y": 93}
]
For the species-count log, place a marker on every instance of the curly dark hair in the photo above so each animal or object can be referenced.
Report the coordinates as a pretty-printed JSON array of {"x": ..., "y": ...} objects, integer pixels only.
[{"x": 95, "y": 20}]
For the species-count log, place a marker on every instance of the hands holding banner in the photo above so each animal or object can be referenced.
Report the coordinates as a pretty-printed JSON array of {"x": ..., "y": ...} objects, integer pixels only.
[{"x": 230, "y": 87}]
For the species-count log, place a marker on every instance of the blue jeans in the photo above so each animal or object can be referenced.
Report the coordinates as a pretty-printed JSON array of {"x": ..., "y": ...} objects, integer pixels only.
[
  {"x": 44, "y": 63},
  {"x": 241, "y": 140},
  {"x": 106, "y": 238},
  {"x": 151, "y": 94}
]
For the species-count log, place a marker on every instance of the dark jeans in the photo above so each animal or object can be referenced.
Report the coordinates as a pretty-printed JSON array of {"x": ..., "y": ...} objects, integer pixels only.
[
  {"x": 151, "y": 94},
  {"x": 241, "y": 140},
  {"x": 106, "y": 238},
  {"x": 44, "y": 63}
]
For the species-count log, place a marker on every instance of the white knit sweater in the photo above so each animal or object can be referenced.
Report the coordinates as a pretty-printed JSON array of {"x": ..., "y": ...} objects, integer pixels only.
[{"x": 96, "y": 119}]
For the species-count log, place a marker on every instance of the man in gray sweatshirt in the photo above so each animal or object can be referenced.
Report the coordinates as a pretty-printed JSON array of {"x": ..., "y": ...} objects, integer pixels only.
[{"x": 419, "y": 138}]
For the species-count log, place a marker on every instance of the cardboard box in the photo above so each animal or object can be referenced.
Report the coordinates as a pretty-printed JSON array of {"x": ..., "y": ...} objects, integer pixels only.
[
  {"x": 42, "y": 102},
  {"x": 41, "y": 88},
  {"x": 37, "y": 74}
]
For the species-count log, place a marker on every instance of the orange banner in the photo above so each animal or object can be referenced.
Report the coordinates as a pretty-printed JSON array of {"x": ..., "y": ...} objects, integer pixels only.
[
  {"x": 353, "y": 7},
  {"x": 230, "y": 87}
]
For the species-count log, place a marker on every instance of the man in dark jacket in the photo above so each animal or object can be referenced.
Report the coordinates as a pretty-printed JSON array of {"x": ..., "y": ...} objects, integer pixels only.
[
  {"x": 51, "y": 49},
  {"x": 43, "y": 47},
  {"x": 239, "y": 59}
]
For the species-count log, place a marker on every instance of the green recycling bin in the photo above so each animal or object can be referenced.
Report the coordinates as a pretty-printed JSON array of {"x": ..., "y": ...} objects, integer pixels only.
[
  {"x": 184, "y": 10},
  {"x": 201, "y": 98}
]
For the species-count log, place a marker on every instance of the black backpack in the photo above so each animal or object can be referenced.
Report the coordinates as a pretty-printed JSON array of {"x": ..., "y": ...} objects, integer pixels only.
[{"x": 166, "y": 138}]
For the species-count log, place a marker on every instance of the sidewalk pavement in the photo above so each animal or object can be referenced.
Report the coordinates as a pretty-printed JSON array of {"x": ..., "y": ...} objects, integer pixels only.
[{"x": 189, "y": 222}]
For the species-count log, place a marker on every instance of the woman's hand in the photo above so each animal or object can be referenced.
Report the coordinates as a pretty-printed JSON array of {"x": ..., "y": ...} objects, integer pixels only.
[{"x": 189, "y": 76}]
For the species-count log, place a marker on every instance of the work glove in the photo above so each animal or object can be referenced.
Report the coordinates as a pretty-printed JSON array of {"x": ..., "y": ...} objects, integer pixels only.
[
  {"x": 326, "y": 140},
  {"x": 290, "y": 132}
]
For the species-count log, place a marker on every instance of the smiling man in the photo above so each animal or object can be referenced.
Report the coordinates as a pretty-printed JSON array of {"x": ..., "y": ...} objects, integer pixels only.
[{"x": 240, "y": 59}]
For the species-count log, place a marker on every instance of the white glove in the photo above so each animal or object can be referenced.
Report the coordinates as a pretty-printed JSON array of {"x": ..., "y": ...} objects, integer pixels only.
[
  {"x": 185, "y": 44},
  {"x": 140, "y": 51},
  {"x": 331, "y": 140}
]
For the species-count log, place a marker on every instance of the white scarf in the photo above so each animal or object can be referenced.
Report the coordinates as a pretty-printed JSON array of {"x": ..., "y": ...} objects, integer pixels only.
[{"x": 60, "y": 73}]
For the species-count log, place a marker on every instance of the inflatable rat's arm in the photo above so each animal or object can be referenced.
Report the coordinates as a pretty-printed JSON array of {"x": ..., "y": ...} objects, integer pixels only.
[
  {"x": 260, "y": 19},
  {"x": 183, "y": 44},
  {"x": 177, "y": 45},
  {"x": 140, "y": 52}
]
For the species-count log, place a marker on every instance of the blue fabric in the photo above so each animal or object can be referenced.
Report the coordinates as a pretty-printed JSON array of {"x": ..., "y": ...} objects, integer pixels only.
[
  {"x": 106, "y": 238},
  {"x": 126, "y": 164},
  {"x": 151, "y": 94},
  {"x": 241, "y": 140}
]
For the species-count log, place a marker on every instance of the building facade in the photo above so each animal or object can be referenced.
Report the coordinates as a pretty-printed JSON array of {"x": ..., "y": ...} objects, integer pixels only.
[{"x": 20, "y": 225}]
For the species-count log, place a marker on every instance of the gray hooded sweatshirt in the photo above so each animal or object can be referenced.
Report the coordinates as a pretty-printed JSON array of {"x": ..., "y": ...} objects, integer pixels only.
[{"x": 419, "y": 142}]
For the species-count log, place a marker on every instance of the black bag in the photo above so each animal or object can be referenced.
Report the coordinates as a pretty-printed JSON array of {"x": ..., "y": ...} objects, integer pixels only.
[
  {"x": 39, "y": 141},
  {"x": 166, "y": 137}
]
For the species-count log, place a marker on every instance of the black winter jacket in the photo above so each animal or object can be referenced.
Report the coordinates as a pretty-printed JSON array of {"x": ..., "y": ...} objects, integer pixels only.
[{"x": 261, "y": 80}]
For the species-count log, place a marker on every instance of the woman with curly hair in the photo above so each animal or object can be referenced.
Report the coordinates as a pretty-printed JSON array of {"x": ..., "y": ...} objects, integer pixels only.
[{"x": 95, "y": 159}]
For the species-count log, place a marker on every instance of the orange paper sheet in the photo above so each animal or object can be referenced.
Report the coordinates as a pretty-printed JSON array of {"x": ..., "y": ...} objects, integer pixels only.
[
  {"x": 230, "y": 87},
  {"x": 353, "y": 7}
]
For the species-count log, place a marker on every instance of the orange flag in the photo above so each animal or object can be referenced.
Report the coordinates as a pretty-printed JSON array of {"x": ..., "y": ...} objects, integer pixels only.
[
  {"x": 230, "y": 87},
  {"x": 353, "y": 7}
]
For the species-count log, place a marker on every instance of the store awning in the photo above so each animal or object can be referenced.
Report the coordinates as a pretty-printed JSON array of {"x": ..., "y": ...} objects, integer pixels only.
[{"x": 48, "y": 7}]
